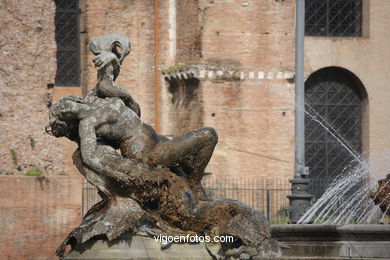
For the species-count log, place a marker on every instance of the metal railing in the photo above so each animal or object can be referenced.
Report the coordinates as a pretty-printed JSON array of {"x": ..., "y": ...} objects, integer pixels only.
[
  {"x": 273, "y": 203},
  {"x": 266, "y": 195}
]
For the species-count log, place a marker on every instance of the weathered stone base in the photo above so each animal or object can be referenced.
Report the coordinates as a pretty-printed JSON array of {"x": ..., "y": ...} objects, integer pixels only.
[
  {"x": 138, "y": 248},
  {"x": 320, "y": 242},
  {"x": 334, "y": 241}
]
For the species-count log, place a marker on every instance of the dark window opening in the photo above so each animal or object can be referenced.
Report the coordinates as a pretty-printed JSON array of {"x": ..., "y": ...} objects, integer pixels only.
[
  {"x": 67, "y": 36},
  {"x": 339, "y": 18},
  {"x": 336, "y": 97}
]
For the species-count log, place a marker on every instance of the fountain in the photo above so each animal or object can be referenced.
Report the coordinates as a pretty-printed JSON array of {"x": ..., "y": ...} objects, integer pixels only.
[
  {"x": 153, "y": 202},
  {"x": 337, "y": 225},
  {"x": 345, "y": 221},
  {"x": 382, "y": 196},
  {"x": 345, "y": 230},
  {"x": 163, "y": 196}
]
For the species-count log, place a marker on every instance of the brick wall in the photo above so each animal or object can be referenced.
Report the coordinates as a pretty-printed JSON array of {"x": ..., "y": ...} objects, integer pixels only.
[
  {"x": 36, "y": 214},
  {"x": 255, "y": 129},
  {"x": 28, "y": 65},
  {"x": 135, "y": 20},
  {"x": 250, "y": 36},
  {"x": 189, "y": 22},
  {"x": 254, "y": 118}
]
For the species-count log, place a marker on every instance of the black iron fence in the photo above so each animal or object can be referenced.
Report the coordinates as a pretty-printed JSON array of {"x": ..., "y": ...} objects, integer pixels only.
[
  {"x": 272, "y": 203},
  {"x": 266, "y": 195},
  {"x": 90, "y": 197}
]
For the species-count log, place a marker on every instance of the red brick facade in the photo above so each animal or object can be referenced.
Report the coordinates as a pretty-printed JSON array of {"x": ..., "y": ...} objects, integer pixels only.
[
  {"x": 28, "y": 58},
  {"x": 37, "y": 214},
  {"x": 253, "y": 117},
  {"x": 252, "y": 111},
  {"x": 259, "y": 112}
]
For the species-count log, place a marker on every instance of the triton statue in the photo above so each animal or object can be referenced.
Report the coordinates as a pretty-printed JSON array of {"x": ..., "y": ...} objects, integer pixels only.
[
  {"x": 153, "y": 185},
  {"x": 381, "y": 196}
]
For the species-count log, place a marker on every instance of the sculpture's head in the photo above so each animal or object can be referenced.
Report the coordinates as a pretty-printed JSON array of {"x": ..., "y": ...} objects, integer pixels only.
[
  {"x": 64, "y": 117},
  {"x": 116, "y": 43}
]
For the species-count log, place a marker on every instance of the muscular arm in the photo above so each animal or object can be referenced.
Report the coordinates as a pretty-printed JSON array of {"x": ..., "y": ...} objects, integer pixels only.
[
  {"x": 88, "y": 144},
  {"x": 90, "y": 155},
  {"x": 106, "y": 86}
]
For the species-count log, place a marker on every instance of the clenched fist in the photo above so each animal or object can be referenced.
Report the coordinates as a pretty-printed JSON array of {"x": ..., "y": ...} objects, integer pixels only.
[{"x": 104, "y": 58}]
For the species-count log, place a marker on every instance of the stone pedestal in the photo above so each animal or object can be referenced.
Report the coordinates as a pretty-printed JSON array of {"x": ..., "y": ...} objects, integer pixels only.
[
  {"x": 138, "y": 248},
  {"x": 334, "y": 241}
]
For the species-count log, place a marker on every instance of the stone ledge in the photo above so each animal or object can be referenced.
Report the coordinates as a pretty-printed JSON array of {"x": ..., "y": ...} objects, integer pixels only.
[
  {"x": 147, "y": 248},
  {"x": 334, "y": 241},
  {"x": 138, "y": 248}
]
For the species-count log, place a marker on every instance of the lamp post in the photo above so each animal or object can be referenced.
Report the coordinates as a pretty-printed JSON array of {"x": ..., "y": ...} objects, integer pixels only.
[{"x": 300, "y": 199}]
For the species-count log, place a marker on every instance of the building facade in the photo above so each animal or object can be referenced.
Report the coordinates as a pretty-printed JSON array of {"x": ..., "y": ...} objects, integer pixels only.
[{"x": 228, "y": 64}]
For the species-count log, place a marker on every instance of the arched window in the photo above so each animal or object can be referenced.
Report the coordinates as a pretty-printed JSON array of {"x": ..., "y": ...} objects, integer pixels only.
[
  {"x": 67, "y": 36},
  {"x": 333, "y": 98}
]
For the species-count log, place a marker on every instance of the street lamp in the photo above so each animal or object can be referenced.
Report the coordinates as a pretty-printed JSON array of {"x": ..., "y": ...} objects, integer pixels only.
[{"x": 300, "y": 199}]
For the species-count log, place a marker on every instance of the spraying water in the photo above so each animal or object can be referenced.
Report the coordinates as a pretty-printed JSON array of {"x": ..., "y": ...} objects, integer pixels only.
[{"x": 347, "y": 199}]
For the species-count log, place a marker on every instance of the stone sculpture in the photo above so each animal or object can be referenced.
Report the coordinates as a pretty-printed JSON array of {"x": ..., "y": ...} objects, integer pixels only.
[
  {"x": 153, "y": 186},
  {"x": 381, "y": 196}
]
